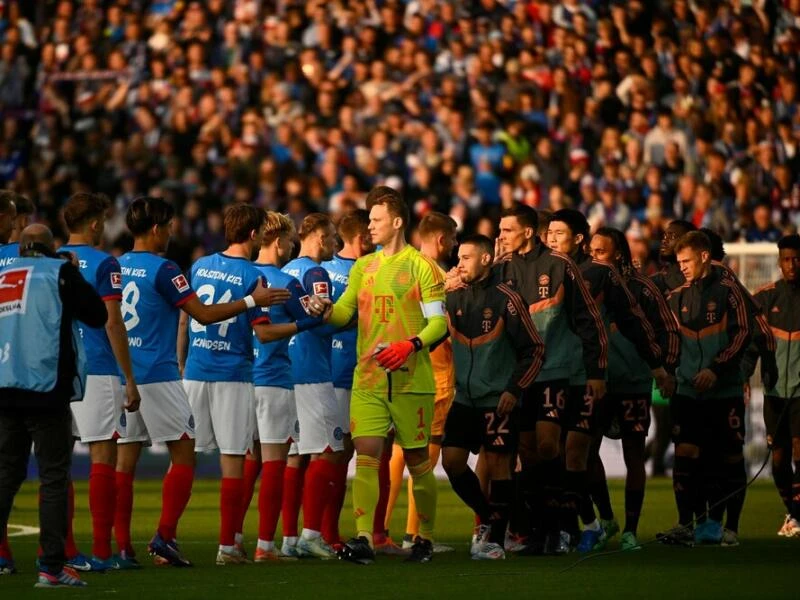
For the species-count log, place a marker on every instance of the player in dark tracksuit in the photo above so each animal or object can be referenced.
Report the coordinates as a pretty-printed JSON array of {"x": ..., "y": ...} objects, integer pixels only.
[
  {"x": 625, "y": 411},
  {"x": 498, "y": 354},
  {"x": 560, "y": 305},
  {"x": 708, "y": 406},
  {"x": 779, "y": 303},
  {"x": 569, "y": 233},
  {"x": 666, "y": 279}
]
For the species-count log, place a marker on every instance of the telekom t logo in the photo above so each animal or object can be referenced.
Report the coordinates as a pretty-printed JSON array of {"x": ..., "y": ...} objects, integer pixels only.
[{"x": 384, "y": 306}]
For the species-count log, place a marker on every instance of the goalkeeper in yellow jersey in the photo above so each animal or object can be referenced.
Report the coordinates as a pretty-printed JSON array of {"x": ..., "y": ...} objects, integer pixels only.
[{"x": 399, "y": 296}]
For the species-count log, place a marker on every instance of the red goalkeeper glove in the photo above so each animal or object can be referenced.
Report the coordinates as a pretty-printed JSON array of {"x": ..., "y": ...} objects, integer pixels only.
[{"x": 395, "y": 355}]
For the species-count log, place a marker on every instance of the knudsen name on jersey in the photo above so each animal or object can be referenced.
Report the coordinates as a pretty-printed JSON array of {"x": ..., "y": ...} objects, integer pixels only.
[
  {"x": 219, "y": 275},
  {"x": 211, "y": 344}
]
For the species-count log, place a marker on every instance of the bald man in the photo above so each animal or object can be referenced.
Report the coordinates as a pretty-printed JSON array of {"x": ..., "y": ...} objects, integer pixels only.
[{"x": 41, "y": 297}]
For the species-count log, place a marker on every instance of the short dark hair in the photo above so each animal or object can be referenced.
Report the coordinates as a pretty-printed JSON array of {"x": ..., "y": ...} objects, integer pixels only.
[
  {"x": 789, "y": 242},
  {"x": 391, "y": 199},
  {"x": 352, "y": 224},
  {"x": 574, "y": 219},
  {"x": 481, "y": 241},
  {"x": 147, "y": 211},
  {"x": 240, "y": 220},
  {"x": 24, "y": 205},
  {"x": 694, "y": 240},
  {"x": 717, "y": 245},
  {"x": 313, "y": 222},
  {"x": 7, "y": 198},
  {"x": 83, "y": 207},
  {"x": 685, "y": 226},
  {"x": 526, "y": 216},
  {"x": 436, "y": 222}
]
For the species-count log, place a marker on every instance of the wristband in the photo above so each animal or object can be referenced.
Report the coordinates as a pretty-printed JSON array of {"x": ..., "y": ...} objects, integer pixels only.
[
  {"x": 417, "y": 343},
  {"x": 249, "y": 302},
  {"x": 307, "y": 323}
]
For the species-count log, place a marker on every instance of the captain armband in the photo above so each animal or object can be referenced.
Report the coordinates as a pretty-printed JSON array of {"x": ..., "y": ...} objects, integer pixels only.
[{"x": 432, "y": 309}]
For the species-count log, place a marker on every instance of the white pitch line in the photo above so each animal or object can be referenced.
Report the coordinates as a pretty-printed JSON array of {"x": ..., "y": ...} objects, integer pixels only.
[{"x": 22, "y": 530}]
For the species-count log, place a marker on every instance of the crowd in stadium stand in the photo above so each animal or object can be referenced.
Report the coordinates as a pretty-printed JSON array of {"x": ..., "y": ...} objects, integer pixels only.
[{"x": 634, "y": 111}]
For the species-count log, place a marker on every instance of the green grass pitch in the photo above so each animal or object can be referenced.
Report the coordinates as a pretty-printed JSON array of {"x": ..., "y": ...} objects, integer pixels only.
[{"x": 764, "y": 566}]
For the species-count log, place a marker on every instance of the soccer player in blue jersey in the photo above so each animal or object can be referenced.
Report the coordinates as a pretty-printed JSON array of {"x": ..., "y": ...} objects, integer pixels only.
[
  {"x": 275, "y": 410},
  {"x": 218, "y": 376},
  {"x": 353, "y": 230},
  {"x": 154, "y": 292},
  {"x": 321, "y": 422},
  {"x": 100, "y": 419}
]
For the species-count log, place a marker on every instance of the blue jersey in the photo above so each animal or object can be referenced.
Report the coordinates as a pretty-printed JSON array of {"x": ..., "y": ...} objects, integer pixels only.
[
  {"x": 272, "y": 366},
  {"x": 102, "y": 272},
  {"x": 223, "y": 351},
  {"x": 8, "y": 253},
  {"x": 343, "y": 347},
  {"x": 310, "y": 351},
  {"x": 154, "y": 290}
]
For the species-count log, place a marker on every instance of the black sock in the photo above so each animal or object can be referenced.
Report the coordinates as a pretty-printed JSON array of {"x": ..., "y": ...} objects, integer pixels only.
[
  {"x": 551, "y": 492},
  {"x": 574, "y": 484},
  {"x": 795, "y": 512},
  {"x": 468, "y": 488},
  {"x": 532, "y": 486},
  {"x": 782, "y": 476},
  {"x": 633, "y": 509},
  {"x": 684, "y": 484},
  {"x": 736, "y": 483},
  {"x": 599, "y": 493},
  {"x": 587, "y": 510},
  {"x": 715, "y": 485},
  {"x": 501, "y": 492}
]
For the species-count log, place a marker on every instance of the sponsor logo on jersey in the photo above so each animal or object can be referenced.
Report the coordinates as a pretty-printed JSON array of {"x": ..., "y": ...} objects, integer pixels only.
[
  {"x": 321, "y": 289},
  {"x": 180, "y": 283},
  {"x": 116, "y": 281},
  {"x": 14, "y": 291}
]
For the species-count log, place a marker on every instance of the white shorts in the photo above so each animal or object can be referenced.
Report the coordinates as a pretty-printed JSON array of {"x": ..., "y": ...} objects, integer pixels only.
[
  {"x": 294, "y": 450},
  {"x": 163, "y": 416},
  {"x": 100, "y": 416},
  {"x": 276, "y": 415},
  {"x": 343, "y": 400},
  {"x": 223, "y": 413},
  {"x": 321, "y": 425}
]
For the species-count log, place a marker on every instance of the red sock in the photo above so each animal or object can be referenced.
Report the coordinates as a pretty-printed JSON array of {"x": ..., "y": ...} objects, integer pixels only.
[
  {"x": 293, "y": 481},
  {"x": 102, "y": 497},
  {"x": 175, "y": 495},
  {"x": 5, "y": 549},
  {"x": 230, "y": 506},
  {"x": 70, "y": 549},
  {"x": 320, "y": 486},
  {"x": 269, "y": 498},
  {"x": 378, "y": 523},
  {"x": 251, "y": 470},
  {"x": 330, "y": 516},
  {"x": 123, "y": 511}
]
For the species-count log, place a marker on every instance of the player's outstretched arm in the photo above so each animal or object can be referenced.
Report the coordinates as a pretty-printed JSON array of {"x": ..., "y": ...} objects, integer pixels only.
[
  {"x": 346, "y": 306},
  {"x": 206, "y": 314},
  {"x": 118, "y": 338}
]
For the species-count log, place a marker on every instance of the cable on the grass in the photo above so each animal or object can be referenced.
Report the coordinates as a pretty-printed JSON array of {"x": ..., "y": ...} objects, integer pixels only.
[{"x": 696, "y": 519}]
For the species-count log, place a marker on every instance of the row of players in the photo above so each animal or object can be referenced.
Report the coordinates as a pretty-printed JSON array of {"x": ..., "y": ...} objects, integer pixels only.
[{"x": 639, "y": 336}]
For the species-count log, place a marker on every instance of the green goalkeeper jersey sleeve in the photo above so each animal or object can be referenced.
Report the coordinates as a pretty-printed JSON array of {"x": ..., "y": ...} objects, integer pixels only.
[{"x": 396, "y": 297}]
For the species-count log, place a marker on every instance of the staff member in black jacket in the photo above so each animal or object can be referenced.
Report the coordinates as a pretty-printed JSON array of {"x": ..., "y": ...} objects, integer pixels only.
[{"x": 41, "y": 372}]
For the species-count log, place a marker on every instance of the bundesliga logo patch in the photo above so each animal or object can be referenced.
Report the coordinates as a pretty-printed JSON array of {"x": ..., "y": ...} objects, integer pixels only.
[
  {"x": 116, "y": 281},
  {"x": 180, "y": 283},
  {"x": 305, "y": 302},
  {"x": 14, "y": 291},
  {"x": 321, "y": 289}
]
